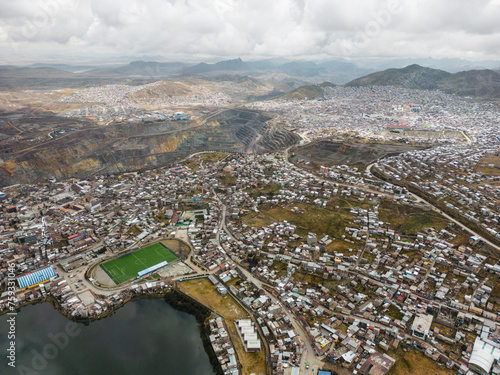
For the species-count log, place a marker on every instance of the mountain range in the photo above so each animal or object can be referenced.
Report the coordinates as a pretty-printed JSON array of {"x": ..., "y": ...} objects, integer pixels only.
[{"x": 285, "y": 76}]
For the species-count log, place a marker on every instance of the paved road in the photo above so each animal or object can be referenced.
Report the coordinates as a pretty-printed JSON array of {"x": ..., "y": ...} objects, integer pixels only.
[{"x": 309, "y": 354}]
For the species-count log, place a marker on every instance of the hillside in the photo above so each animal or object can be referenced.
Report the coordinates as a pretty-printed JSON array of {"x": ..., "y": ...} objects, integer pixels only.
[
  {"x": 307, "y": 92},
  {"x": 412, "y": 77},
  {"x": 163, "y": 89},
  {"x": 477, "y": 83}
]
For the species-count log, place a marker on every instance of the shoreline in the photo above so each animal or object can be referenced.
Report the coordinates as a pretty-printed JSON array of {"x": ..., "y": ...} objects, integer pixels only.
[{"x": 175, "y": 298}]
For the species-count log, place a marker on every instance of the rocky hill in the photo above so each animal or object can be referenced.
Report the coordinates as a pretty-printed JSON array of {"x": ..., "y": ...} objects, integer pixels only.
[
  {"x": 307, "y": 92},
  {"x": 412, "y": 77},
  {"x": 477, "y": 83},
  {"x": 161, "y": 89}
]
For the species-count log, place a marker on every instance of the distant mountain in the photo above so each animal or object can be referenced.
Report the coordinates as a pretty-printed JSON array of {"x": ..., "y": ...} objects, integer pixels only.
[
  {"x": 147, "y": 69},
  {"x": 13, "y": 77},
  {"x": 33, "y": 72},
  {"x": 331, "y": 70},
  {"x": 301, "y": 69},
  {"x": 477, "y": 83},
  {"x": 306, "y": 71},
  {"x": 65, "y": 67},
  {"x": 227, "y": 65},
  {"x": 48, "y": 76},
  {"x": 246, "y": 81},
  {"x": 289, "y": 74},
  {"x": 451, "y": 65},
  {"x": 412, "y": 77}
]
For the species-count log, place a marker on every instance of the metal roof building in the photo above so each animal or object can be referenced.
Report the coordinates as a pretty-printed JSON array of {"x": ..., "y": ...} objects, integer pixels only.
[
  {"x": 483, "y": 355},
  {"x": 248, "y": 335},
  {"x": 37, "y": 277}
]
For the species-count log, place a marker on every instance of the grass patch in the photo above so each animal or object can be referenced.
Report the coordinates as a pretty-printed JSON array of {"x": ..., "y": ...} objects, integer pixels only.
[
  {"x": 489, "y": 165},
  {"x": 280, "y": 267},
  {"x": 213, "y": 156},
  {"x": 347, "y": 202},
  {"x": 444, "y": 330},
  {"x": 410, "y": 220},
  {"x": 470, "y": 337},
  {"x": 417, "y": 223},
  {"x": 311, "y": 219},
  {"x": 415, "y": 363},
  {"x": 268, "y": 190},
  {"x": 204, "y": 292},
  {"x": 226, "y": 179},
  {"x": 342, "y": 246},
  {"x": 134, "y": 230},
  {"x": 343, "y": 327},
  {"x": 308, "y": 278}
]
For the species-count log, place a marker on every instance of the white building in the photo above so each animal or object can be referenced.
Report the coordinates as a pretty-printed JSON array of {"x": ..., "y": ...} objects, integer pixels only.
[
  {"x": 421, "y": 326},
  {"x": 484, "y": 353}
]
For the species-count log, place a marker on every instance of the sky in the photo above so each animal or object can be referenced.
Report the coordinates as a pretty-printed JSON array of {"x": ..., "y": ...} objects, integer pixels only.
[{"x": 201, "y": 30}]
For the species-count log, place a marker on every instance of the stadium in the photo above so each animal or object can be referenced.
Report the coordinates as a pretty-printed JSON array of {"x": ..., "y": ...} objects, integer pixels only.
[{"x": 138, "y": 263}]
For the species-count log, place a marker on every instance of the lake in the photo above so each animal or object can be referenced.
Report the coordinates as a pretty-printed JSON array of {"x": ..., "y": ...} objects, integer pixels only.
[{"x": 143, "y": 337}]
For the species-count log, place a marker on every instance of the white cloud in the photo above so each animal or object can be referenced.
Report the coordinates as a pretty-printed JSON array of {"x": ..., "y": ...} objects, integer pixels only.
[{"x": 252, "y": 28}]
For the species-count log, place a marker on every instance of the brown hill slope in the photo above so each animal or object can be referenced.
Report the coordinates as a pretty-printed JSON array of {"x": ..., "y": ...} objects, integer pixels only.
[
  {"x": 477, "y": 83},
  {"x": 163, "y": 89}
]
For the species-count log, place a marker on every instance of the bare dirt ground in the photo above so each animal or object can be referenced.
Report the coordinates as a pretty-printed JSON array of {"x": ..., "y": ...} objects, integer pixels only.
[{"x": 328, "y": 152}]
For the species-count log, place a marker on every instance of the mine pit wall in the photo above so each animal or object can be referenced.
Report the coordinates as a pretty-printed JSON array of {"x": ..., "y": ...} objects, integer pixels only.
[{"x": 137, "y": 148}]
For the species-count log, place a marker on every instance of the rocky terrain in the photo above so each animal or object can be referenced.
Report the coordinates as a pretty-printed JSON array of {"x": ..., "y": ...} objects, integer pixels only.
[
  {"x": 138, "y": 146},
  {"x": 327, "y": 152}
]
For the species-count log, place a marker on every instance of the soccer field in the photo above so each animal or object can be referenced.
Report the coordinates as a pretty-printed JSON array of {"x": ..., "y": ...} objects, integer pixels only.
[{"x": 125, "y": 268}]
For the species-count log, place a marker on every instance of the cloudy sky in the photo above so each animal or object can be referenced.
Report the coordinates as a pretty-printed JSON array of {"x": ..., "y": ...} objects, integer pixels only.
[{"x": 250, "y": 29}]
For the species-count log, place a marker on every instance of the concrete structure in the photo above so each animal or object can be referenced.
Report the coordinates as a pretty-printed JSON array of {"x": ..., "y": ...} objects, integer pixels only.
[{"x": 421, "y": 326}]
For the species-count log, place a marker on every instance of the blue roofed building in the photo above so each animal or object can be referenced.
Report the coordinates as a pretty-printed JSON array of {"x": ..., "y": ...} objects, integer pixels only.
[{"x": 36, "y": 277}]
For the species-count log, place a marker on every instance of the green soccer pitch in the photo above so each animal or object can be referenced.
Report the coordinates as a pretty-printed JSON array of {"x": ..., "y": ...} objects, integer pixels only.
[{"x": 126, "y": 267}]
